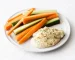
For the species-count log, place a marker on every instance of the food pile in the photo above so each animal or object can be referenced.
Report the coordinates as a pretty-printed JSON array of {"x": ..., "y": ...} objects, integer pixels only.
[{"x": 29, "y": 22}]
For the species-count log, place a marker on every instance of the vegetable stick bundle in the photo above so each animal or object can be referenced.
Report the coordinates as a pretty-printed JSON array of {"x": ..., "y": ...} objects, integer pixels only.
[{"x": 31, "y": 23}]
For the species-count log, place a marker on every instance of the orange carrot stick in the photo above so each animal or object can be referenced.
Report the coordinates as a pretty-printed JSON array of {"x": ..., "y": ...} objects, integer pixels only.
[
  {"x": 29, "y": 12},
  {"x": 52, "y": 16},
  {"x": 20, "y": 35},
  {"x": 14, "y": 17},
  {"x": 34, "y": 29},
  {"x": 34, "y": 17},
  {"x": 7, "y": 26}
]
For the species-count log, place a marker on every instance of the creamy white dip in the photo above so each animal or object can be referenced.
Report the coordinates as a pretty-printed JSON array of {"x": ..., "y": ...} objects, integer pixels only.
[{"x": 47, "y": 37}]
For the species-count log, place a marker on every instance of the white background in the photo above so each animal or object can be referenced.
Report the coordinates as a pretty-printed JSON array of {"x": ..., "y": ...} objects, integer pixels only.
[{"x": 10, "y": 52}]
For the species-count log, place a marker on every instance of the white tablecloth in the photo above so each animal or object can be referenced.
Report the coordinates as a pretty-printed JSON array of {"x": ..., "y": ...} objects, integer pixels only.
[{"x": 10, "y": 52}]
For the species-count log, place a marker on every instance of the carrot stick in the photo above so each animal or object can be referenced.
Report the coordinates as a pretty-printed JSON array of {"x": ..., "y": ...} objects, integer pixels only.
[
  {"x": 34, "y": 29},
  {"x": 11, "y": 30},
  {"x": 14, "y": 17},
  {"x": 34, "y": 17},
  {"x": 8, "y": 25},
  {"x": 52, "y": 16},
  {"x": 20, "y": 35},
  {"x": 29, "y": 12}
]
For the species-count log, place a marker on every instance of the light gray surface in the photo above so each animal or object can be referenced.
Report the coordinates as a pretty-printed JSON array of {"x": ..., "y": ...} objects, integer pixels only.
[{"x": 9, "y": 52}]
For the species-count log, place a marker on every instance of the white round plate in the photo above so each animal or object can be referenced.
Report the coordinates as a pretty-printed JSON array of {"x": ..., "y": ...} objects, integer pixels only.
[{"x": 64, "y": 25}]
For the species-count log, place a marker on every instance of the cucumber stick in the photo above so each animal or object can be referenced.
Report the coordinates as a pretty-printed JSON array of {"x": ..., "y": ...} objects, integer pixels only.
[
  {"x": 23, "y": 27},
  {"x": 43, "y": 11},
  {"x": 53, "y": 22},
  {"x": 14, "y": 23}
]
